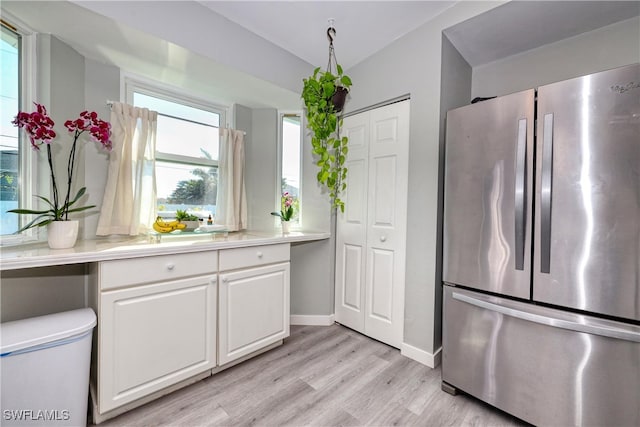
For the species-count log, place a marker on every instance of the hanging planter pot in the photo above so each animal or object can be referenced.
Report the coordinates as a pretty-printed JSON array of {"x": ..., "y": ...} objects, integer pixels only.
[{"x": 339, "y": 98}]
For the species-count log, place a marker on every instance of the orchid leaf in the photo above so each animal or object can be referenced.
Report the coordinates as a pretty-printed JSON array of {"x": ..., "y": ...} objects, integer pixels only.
[
  {"x": 84, "y": 208},
  {"x": 28, "y": 211},
  {"x": 78, "y": 195}
]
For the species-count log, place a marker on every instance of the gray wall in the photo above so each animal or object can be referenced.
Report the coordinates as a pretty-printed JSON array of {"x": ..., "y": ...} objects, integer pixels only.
[
  {"x": 313, "y": 263},
  {"x": 412, "y": 65},
  {"x": 608, "y": 47},
  {"x": 102, "y": 83},
  {"x": 217, "y": 38},
  {"x": 39, "y": 291},
  {"x": 60, "y": 87},
  {"x": 243, "y": 120},
  {"x": 261, "y": 165},
  {"x": 312, "y": 278}
]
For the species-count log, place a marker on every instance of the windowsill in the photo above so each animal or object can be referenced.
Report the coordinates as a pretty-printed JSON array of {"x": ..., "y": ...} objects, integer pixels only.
[{"x": 15, "y": 240}]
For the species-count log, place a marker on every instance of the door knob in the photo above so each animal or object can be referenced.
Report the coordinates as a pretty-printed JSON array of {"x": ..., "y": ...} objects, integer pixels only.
[{"x": 383, "y": 238}]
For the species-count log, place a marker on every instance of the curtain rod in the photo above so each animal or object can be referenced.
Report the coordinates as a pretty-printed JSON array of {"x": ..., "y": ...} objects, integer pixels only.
[
  {"x": 379, "y": 104},
  {"x": 110, "y": 104},
  {"x": 9, "y": 26}
]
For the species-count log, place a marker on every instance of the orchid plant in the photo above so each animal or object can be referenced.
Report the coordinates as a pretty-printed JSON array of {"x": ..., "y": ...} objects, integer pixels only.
[
  {"x": 38, "y": 125},
  {"x": 288, "y": 207}
]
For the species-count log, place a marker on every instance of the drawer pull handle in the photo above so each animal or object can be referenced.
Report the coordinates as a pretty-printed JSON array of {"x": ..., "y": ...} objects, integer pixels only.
[
  {"x": 170, "y": 267},
  {"x": 383, "y": 238},
  {"x": 225, "y": 280},
  {"x": 259, "y": 254}
]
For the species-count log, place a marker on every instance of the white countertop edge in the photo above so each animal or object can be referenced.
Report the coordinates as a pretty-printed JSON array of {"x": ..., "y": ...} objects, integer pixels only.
[{"x": 39, "y": 254}]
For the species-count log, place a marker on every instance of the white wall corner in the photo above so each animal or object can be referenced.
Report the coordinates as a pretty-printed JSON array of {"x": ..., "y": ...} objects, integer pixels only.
[
  {"x": 312, "y": 320},
  {"x": 431, "y": 360}
]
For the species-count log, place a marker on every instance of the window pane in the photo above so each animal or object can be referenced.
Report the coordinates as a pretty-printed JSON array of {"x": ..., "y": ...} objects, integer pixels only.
[
  {"x": 186, "y": 187},
  {"x": 177, "y": 136},
  {"x": 9, "y": 147},
  {"x": 291, "y": 155},
  {"x": 187, "y": 141},
  {"x": 175, "y": 109},
  {"x": 291, "y": 139}
]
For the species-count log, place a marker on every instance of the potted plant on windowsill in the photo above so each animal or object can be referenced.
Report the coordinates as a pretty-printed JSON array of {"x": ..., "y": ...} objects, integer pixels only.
[
  {"x": 189, "y": 220},
  {"x": 38, "y": 125},
  {"x": 324, "y": 95},
  {"x": 288, "y": 208}
]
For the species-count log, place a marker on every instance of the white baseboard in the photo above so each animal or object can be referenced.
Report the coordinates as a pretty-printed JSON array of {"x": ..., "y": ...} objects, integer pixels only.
[
  {"x": 419, "y": 355},
  {"x": 312, "y": 320}
]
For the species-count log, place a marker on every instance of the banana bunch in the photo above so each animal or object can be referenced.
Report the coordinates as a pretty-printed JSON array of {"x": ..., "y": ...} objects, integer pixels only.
[{"x": 161, "y": 226}]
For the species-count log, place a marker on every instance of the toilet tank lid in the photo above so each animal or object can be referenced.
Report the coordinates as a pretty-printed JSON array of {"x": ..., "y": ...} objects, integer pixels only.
[{"x": 25, "y": 333}]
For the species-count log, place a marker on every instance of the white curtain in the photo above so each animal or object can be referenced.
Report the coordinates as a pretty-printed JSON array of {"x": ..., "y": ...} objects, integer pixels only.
[
  {"x": 231, "y": 202},
  {"x": 128, "y": 206}
]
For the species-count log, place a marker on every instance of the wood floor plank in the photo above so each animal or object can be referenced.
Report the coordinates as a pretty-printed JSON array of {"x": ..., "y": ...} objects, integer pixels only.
[
  {"x": 334, "y": 417},
  {"x": 320, "y": 376},
  {"x": 388, "y": 386},
  {"x": 331, "y": 397}
]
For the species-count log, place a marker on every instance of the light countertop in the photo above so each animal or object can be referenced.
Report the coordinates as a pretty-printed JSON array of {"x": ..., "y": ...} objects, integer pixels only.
[{"x": 103, "y": 249}]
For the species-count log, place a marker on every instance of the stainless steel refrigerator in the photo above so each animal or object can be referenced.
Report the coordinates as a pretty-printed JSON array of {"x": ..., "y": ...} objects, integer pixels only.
[{"x": 541, "y": 263}]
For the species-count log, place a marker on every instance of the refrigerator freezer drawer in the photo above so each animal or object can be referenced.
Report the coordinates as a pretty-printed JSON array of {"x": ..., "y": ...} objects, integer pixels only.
[{"x": 545, "y": 366}]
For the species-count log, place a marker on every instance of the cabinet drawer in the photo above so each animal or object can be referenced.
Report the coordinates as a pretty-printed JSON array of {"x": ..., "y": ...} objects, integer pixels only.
[
  {"x": 120, "y": 273},
  {"x": 231, "y": 259}
]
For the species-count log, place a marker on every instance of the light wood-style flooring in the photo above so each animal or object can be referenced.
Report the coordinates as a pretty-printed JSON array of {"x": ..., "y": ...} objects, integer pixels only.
[{"x": 320, "y": 376}]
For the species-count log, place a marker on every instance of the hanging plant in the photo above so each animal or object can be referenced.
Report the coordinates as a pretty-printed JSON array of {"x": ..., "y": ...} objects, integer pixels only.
[{"x": 324, "y": 94}]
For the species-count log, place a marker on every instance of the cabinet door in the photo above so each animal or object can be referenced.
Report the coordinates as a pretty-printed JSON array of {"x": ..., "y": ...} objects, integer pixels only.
[
  {"x": 154, "y": 336},
  {"x": 254, "y": 310}
]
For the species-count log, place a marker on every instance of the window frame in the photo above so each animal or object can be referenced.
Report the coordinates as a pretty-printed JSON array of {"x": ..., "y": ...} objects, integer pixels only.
[
  {"x": 281, "y": 115},
  {"x": 133, "y": 85},
  {"x": 28, "y": 159}
]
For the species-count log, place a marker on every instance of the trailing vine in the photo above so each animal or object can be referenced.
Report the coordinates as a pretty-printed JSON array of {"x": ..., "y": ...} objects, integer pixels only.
[{"x": 323, "y": 94}]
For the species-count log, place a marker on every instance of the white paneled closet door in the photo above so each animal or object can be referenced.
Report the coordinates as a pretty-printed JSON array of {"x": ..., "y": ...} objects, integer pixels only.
[{"x": 371, "y": 233}]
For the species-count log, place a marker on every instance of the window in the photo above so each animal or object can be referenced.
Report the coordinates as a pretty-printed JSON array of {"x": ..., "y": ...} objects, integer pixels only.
[
  {"x": 9, "y": 142},
  {"x": 187, "y": 143},
  {"x": 17, "y": 177},
  {"x": 290, "y": 159}
]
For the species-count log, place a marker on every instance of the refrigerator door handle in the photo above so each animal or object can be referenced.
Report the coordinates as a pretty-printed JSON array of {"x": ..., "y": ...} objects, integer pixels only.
[
  {"x": 608, "y": 332},
  {"x": 545, "y": 194},
  {"x": 521, "y": 192}
]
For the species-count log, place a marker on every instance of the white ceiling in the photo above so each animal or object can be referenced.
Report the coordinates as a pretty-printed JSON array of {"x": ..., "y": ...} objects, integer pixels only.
[
  {"x": 519, "y": 26},
  {"x": 300, "y": 27},
  {"x": 365, "y": 27}
]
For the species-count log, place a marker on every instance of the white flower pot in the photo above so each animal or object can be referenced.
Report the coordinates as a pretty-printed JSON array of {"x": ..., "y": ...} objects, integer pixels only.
[
  {"x": 285, "y": 227},
  {"x": 62, "y": 234},
  {"x": 191, "y": 225}
]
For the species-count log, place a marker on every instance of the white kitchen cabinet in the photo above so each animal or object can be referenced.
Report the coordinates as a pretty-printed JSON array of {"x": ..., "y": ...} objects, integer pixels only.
[
  {"x": 253, "y": 300},
  {"x": 154, "y": 335}
]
